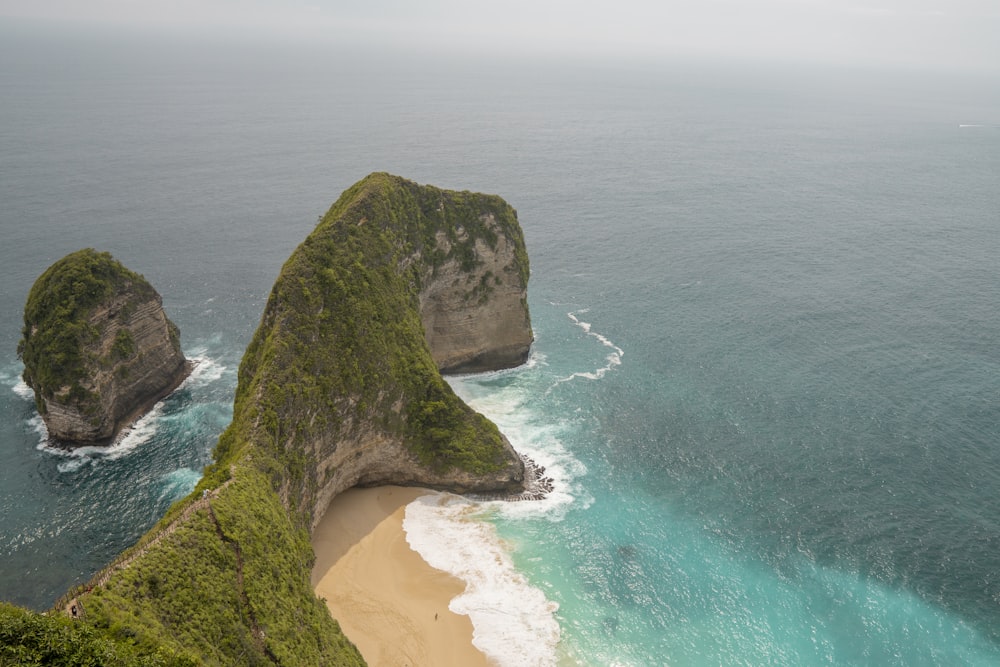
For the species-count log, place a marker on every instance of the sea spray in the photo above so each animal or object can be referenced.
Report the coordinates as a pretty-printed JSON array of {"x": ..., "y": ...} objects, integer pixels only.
[
  {"x": 205, "y": 371},
  {"x": 505, "y": 398},
  {"x": 22, "y": 389}
]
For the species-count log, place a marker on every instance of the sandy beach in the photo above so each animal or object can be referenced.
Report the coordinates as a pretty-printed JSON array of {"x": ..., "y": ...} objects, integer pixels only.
[{"x": 388, "y": 601}]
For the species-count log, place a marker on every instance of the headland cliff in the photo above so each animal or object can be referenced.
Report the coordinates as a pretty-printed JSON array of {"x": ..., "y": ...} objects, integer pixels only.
[{"x": 339, "y": 387}]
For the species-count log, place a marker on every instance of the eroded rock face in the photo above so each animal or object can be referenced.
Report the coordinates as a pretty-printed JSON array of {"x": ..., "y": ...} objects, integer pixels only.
[
  {"x": 98, "y": 348},
  {"x": 476, "y": 319},
  {"x": 373, "y": 457},
  {"x": 126, "y": 386}
]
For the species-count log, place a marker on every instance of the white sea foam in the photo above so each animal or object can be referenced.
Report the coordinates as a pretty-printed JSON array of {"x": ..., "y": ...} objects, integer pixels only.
[
  {"x": 179, "y": 483},
  {"x": 542, "y": 442},
  {"x": 138, "y": 433},
  {"x": 75, "y": 458},
  {"x": 24, "y": 391},
  {"x": 537, "y": 436},
  {"x": 127, "y": 442},
  {"x": 534, "y": 360},
  {"x": 72, "y": 465},
  {"x": 514, "y": 623},
  {"x": 614, "y": 359},
  {"x": 11, "y": 377},
  {"x": 206, "y": 370},
  {"x": 37, "y": 424}
]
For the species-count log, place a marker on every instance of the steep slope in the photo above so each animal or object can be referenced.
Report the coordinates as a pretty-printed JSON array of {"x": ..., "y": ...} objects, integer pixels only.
[
  {"x": 98, "y": 350},
  {"x": 473, "y": 290},
  {"x": 339, "y": 387},
  {"x": 339, "y": 381}
]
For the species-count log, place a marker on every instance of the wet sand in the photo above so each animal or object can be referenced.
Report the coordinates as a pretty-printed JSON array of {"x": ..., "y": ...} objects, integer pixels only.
[{"x": 388, "y": 601}]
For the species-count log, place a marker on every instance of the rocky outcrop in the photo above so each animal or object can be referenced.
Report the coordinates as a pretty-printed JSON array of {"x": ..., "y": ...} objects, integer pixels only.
[
  {"x": 375, "y": 458},
  {"x": 476, "y": 316},
  {"x": 97, "y": 347},
  {"x": 342, "y": 377}
]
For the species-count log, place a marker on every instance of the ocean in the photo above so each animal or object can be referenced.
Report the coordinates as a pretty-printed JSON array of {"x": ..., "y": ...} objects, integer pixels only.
[{"x": 766, "y": 378}]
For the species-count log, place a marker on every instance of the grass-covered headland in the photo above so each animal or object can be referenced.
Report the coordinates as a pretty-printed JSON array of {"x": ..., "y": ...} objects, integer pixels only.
[{"x": 337, "y": 388}]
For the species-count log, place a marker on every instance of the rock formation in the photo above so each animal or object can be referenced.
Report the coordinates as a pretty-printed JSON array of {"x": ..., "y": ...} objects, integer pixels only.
[
  {"x": 397, "y": 280},
  {"x": 98, "y": 349},
  {"x": 473, "y": 305},
  {"x": 340, "y": 386}
]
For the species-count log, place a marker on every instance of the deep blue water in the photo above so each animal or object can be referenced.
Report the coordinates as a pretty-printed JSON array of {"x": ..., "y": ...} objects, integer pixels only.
[{"x": 766, "y": 373}]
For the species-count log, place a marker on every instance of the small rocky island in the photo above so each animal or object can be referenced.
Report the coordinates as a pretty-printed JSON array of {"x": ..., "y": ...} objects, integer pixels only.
[{"x": 97, "y": 348}]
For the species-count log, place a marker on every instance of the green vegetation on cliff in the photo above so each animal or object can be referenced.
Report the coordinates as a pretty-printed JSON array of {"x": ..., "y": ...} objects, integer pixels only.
[
  {"x": 341, "y": 341},
  {"x": 228, "y": 585},
  {"x": 28, "y": 639},
  {"x": 224, "y": 577}
]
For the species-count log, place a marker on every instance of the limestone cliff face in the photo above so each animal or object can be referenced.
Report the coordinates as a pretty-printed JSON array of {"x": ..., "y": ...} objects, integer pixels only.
[
  {"x": 375, "y": 457},
  {"x": 98, "y": 348},
  {"x": 476, "y": 316}
]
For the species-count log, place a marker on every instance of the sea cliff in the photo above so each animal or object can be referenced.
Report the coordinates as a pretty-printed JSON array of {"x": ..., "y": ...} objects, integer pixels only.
[
  {"x": 97, "y": 347},
  {"x": 341, "y": 381},
  {"x": 339, "y": 387}
]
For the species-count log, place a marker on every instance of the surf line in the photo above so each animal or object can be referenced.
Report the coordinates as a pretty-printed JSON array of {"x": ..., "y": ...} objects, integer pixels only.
[
  {"x": 204, "y": 370},
  {"x": 614, "y": 358}
]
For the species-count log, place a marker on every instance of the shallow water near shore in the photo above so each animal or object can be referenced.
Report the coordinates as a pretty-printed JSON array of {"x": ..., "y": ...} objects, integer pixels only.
[{"x": 765, "y": 304}]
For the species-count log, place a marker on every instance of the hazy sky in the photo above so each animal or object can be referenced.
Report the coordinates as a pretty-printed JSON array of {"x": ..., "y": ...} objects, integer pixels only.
[{"x": 939, "y": 33}]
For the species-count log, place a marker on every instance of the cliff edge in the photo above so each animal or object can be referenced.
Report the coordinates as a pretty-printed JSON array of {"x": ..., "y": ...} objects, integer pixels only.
[
  {"x": 340, "y": 386},
  {"x": 396, "y": 281},
  {"x": 474, "y": 284},
  {"x": 97, "y": 348}
]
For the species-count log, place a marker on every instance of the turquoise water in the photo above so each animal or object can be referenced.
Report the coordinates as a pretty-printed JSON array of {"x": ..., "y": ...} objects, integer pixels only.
[{"x": 766, "y": 372}]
